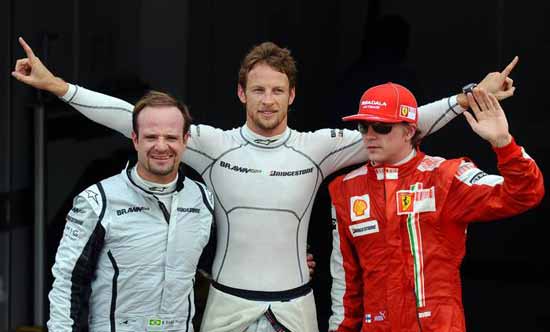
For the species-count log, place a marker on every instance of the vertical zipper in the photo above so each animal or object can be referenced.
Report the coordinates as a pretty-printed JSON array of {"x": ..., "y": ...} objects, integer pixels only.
[{"x": 164, "y": 210}]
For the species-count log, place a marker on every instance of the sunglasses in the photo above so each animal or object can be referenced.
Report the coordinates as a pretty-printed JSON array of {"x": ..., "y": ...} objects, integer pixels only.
[{"x": 379, "y": 128}]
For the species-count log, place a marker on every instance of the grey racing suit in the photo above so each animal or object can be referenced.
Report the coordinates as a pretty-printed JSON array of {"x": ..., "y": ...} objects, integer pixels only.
[
  {"x": 137, "y": 258},
  {"x": 264, "y": 188}
]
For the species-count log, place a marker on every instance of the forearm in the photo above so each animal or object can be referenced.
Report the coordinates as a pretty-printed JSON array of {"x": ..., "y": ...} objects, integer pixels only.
[
  {"x": 435, "y": 115},
  {"x": 108, "y": 111}
]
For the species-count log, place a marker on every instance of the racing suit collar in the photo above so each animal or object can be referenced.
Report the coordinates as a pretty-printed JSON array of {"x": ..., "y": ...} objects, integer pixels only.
[
  {"x": 262, "y": 141},
  {"x": 156, "y": 188},
  {"x": 395, "y": 171}
]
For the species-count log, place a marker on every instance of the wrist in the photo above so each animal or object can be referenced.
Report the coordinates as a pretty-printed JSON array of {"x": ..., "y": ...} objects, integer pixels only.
[
  {"x": 58, "y": 87},
  {"x": 462, "y": 100},
  {"x": 501, "y": 141}
]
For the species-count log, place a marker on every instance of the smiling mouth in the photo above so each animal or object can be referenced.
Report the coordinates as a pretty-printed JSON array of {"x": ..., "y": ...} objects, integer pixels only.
[
  {"x": 268, "y": 113},
  {"x": 161, "y": 157}
]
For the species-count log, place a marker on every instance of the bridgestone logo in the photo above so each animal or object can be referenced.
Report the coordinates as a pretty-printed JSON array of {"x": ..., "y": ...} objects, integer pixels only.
[
  {"x": 291, "y": 173},
  {"x": 364, "y": 228},
  {"x": 189, "y": 210}
]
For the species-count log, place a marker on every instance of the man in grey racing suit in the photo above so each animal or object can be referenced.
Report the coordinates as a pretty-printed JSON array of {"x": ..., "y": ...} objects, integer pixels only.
[
  {"x": 264, "y": 177},
  {"x": 134, "y": 239}
]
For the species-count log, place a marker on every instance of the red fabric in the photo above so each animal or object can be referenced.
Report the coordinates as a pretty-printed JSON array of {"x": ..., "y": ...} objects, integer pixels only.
[
  {"x": 379, "y": 265},
  {"x": 388, "y": 102}
]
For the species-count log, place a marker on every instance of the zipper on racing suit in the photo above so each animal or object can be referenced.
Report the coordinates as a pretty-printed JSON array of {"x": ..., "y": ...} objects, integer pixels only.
[{"x": 164, "y": 210}]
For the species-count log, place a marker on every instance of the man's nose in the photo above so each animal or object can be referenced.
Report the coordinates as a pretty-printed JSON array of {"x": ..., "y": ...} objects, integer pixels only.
[
  {"x": 371, "y": 134},
  {"x": 161, "y": 144},
  {"x": 268, "y": 98}
]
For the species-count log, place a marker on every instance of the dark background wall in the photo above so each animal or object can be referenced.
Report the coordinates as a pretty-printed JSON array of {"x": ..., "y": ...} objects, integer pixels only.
[{"x": 193, "y": 49}]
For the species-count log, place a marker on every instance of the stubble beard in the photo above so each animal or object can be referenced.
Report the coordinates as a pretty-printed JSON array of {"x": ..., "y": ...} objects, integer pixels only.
[{"x": 159, "y": 171}]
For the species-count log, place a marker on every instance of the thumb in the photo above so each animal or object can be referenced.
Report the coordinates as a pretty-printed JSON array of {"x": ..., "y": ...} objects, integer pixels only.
[
  {"x": 21, "y": 78},
  {"x": 505, "y": 94}
]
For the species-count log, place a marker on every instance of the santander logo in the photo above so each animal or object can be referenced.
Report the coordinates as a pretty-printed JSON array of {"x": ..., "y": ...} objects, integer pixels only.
[{"x": 373, "y": 104}]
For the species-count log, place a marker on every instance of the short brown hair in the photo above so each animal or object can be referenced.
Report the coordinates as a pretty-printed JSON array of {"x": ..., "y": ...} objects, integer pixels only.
[
  {"x": 156, "y": 99},
  {"x": 274, "y": 56},
  {"x": 417, "y": 138}
]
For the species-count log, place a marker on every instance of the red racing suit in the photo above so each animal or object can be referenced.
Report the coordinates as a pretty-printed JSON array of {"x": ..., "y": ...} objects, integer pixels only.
[{"x": 401, "y": 233}]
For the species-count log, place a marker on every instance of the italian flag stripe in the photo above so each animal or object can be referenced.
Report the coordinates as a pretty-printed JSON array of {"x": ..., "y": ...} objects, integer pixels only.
[{"x": 415, "y": 240}]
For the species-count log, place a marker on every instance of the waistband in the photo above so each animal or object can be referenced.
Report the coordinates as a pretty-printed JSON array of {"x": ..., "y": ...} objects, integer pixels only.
[{"x": 285, "y": 295}]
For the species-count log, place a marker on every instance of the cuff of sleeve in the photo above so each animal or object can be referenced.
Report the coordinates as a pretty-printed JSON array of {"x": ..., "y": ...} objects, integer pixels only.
[
  {"x": 507, "y": 152},
  {"x": 70, "y": 93},
  {"x": 453, "y": 103}
]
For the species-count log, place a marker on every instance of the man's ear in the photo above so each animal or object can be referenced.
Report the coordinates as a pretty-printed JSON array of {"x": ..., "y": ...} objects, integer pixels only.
[
  {"x": 241, "y": 93},
  {"x": 292, "y": 94},
  {"x": 410, "y": 131},
  {"x": 186, "y": 137}
]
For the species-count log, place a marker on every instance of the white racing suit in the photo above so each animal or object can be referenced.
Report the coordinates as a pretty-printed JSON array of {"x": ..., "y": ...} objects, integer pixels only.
[
  {"x": 264, "y": 189},
  {"x": 138, "y": 258}
]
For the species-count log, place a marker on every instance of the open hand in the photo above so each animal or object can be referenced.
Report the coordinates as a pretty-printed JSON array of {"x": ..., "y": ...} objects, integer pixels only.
[{"x": 490, "y": 121}]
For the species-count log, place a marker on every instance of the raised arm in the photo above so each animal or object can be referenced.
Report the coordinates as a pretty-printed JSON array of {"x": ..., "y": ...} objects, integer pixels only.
[
  {"x": 434, "y": 116},
  {"x": 490, "y": 197},
  {"x": 498, "y": 83},
  {"x": 108, "y": 111}
]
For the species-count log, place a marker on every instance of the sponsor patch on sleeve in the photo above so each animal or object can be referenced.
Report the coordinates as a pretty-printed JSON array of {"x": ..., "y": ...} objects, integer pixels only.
[
  {"x": 72, "y": 231},
  {"x": 469, "y": 174}
]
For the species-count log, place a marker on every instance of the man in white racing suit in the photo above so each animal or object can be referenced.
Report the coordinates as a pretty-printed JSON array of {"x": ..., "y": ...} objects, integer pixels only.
[
  {"x": 134, "y": 239},
  {"x": 264, "y": 177}
]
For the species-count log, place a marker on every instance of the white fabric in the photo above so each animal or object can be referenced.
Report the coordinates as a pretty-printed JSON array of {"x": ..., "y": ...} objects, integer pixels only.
[
  {"x": 264, "y": 189},
  {"x": 118, "y": 242},
  {"x": 162, "y": 191},
  {"x": 227, "y": 313}
]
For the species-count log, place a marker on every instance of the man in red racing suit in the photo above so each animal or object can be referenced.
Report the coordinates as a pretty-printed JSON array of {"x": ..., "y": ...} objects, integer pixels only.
[{"x": 402, "y": 218}]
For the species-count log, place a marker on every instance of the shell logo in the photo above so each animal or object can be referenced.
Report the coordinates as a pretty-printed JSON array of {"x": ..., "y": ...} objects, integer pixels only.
[{"x": 359, "y": 207}]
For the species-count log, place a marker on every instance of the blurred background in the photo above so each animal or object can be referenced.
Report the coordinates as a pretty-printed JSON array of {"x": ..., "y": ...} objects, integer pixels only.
[{"x": 193, "y": 49}]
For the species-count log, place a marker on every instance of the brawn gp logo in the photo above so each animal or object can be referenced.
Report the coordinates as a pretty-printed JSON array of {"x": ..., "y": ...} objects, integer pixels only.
[
  {"x": 131, "y": 209},
  {"x": 239, "y": 168}
]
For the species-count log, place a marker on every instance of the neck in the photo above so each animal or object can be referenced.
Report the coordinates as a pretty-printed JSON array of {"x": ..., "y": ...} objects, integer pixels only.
[
  {"x": 154, "y": 187},
  {"x": 398, "y": 160},
  {"x": 408, "y": 157}
]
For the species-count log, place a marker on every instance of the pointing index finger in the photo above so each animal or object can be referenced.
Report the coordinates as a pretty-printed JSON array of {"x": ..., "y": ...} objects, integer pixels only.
[
  {"x": 26, "y": 48},
  {"x": 510, "y": 66}
]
